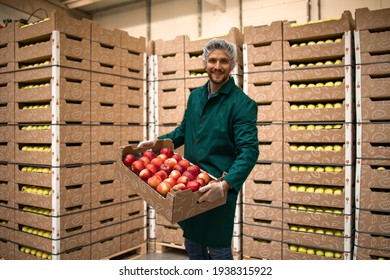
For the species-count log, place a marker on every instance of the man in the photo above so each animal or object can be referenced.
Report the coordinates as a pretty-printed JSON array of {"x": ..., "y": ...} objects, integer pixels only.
[{"x": 220, "y": 135}]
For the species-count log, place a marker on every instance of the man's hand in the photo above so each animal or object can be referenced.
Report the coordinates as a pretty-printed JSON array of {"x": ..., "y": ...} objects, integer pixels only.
[
  {"x": 147, "y": 144},
  {"x": 213, "y": 191}
]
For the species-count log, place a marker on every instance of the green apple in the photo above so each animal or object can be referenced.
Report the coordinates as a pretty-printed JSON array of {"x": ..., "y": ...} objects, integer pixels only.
[
  {"x": 310, "y": 148},
  {"x": 319, "y": 231},
  {"x": 337, "y": 192},
  {"x": 294, "y": 228},
  {"x": 302, "y": 249},
  {"x": 329, "y": 169},
  {"x": 329, "y": 254},
  {"x": 301, "y": 148},
  {"x": 310, "y": 189},
  {"x": 311, "y": 106},
  {"x": 303, "y": 229},
  {"x": 311, "y": 84},
  {"x": 294, "y": 147},
  {"x": 301, "y": 189},
  {"x": 320, "y": 169},
  {"x": 302, "y": 86},
  {"x": 328, "y": 191},
  {"x": 294, "y": 127},
  {"x": 302, "y": 168},
  {"x": 338, "y": 169},
  {"x": 319, "y": 190},
  {"x": 320, "y": 252},
  {"x": 294, "y": 168},
  {"x": 328, "y": 106},
  {"x": 301, "y": 127},
  {"x": 328, "y": 62},
  {"x": 320, "y": 106},
  {"x": 293, "y": 188},
  {"x": 310, "y": 127},
  {"x": 293, "y": 248},
  {"x": 310, "y": 251},
  {"x": 337, "y": 105},
  {"x": 294, "y": 107}
]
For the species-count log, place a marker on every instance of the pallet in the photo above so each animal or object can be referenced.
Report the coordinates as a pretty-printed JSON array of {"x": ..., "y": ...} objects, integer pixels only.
[
  {"x": 163, "y": 247},
  {"x": 237, "y": 256},
  {"x": 130, "y": 254},
  {"x": 248, "y": 258}
]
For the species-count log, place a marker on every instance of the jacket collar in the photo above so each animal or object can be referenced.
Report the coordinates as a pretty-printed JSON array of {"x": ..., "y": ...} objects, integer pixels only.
[{"x": 225, "y": 89}]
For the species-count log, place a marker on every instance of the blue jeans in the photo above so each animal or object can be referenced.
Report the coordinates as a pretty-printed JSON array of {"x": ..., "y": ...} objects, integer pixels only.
[{"x": 199, "y": 252}]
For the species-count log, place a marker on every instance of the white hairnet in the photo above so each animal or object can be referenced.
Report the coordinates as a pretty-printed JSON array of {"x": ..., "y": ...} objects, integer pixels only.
[{"x": 220, "y": 44}]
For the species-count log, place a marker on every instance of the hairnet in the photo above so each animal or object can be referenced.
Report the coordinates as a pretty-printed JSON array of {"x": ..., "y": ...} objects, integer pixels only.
[{"x": 220, "y": 44}]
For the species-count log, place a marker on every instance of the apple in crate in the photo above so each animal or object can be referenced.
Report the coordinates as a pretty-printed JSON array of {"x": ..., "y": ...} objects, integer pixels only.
[
  {"x": 154, "y": 181},
  {"x": 137, "y": 166},
  {"x": 193, "y": 185},
  {"x": 145, "y": 174},
  {"x": 205, "y": 176},
  {"x": 129, "y": 159},
  {"x": 163, "y": 188},
  {"x": 150, "y": 154},
  {"x": 168, "y": 152}
]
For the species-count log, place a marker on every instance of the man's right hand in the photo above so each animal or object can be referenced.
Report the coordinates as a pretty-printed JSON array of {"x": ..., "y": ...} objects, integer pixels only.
[{"x": 147, "y": 144}]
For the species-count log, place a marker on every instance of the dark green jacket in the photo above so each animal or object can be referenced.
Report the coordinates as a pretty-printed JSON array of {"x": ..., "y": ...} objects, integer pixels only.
[{"x": 219, "y": 134}]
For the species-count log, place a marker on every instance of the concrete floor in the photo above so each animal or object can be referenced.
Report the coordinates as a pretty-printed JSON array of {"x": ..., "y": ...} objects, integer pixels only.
[{"x": 169, "y": 254}]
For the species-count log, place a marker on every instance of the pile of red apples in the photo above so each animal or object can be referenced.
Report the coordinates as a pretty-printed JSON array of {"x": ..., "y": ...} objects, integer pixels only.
[{"x": 166, "y": 171}]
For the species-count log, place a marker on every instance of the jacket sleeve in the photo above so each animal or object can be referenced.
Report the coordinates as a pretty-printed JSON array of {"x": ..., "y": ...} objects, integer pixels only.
[{"x": 247, "y": 145}]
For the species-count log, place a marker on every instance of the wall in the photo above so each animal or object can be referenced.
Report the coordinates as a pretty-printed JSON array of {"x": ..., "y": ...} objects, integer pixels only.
[{"x": 174, "y": 17}]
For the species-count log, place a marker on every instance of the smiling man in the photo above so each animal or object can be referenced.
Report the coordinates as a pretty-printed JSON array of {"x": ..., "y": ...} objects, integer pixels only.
[{"x": 220, "y": 135}]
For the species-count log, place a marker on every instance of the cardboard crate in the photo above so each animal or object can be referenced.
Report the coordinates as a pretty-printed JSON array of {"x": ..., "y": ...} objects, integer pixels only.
[
  {"x": 375, "y": 87},
  {"x": 8, "y": 67},
  {"x": 315, "y": 177},
  {"x": 7, "y": 151},
  {"x": 7, "y": 133},
  {"x": 72, "y": 197},
  {"x": 270, "y": 112},
  {"x": 270, "y": 151},
  {"x": 316, "y": 135},
  {"x": 371, "y": 20},
  {"x": 361, "y": 253},
  {"x": 170, "y": 114},
  {"x": 103, "y": 151},
  {"x": 105, "y": 112},
  {"x": 7, "y": 231},
  {"x": 313, "y": 199},
  {"x": 133, "y": 209},
  {"x": 132, "y": 114},
  {"x": 68, "y": 153},
  {"x": 375, "y": 151},
  {"x": 45, "y": 244},
  {"x": 103, "y": 171},
  {"x": 7, "y": 250},
  {"x": 320, "y": 29},
  {"x": 133, "y": 238},
  {"x": 169, "y": 235},
  {"x": 374, "y": 199},
  {"x": 372, "y": 221},
  {"x": 263, "y": 53},
  {"x": 374, "y": 65},
  {"x": 70, "y": 111},
  {"x": 371, "y": 177},
  {"x": 260, "y": 35},
  {"x": 78, "y": 253},
  {"x": 105, "y": 88},
  {"x": 263, "y": 77},
  {"x": 374, "y": 41},
  {"x": 171, "y": 62},
  {"x": 7, "y": 33},
  {"x": 317, "y": 114},
  {"x": 195, "y": 82},
  {"x": 70, "y": 133},
  {"x": 323, "y": 220},
  {"x": 257, "y": 248},
  {"x": 56, "y": 21},
  {"x": 105, "y": 54},
  {"x": 375, "y": 110},
  {"x": 70, "y": 224},
  {"x": 315, "y": 51},
  {"x": 108, "y": 37},
  {"x": 258, "y": 231},
  {"x": 265, "y": 68},
  {"x": 7, "y": 112},
  {"x": 267, "y": 172},
  {"x": 260, "y": 190},
  {"x": 367, "y": 240},
  {"x": 287, "y": 254},
  {"x": 105, "y": 132},
  {"x": 133, "y": 44},
  {"x": 317, "y": 240},
  {"x": 7, "y": 172},
  {"x": 69, "y": 175},
  {"x": 263, "y": 92},
  {"x": 7, "y": 52},
  {"x": 169, "y": 97},
  {"x": 319, "y": 74},
  {"x": 171, "y": 75},
  {"x": 132, "y": 133},
  {"x": 7, "y": 214},
  {"x": 167, "y": 47},
  {"x": 270, "y": 132},
  {"x": 106, "y": 68},
  {"x": 105, "y": 248},
  {"x": 105, "y": 193},
  {"x": 7, "y": 88},
  {"x": 7, "y": 191},
  {"x": 313, "y": 93},
  {"x": 176, "y": 205},
  {"x": 108, "y": 231},
  {"x": 132, "y": 91},
  {"x": 314, "y": 157},
  {"x": 263, "y": 210}
]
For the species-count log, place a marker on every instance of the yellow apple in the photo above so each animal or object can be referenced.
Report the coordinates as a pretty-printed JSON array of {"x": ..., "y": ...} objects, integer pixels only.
[
  {"x": 338, "y": 169},
  {"x": 337, "y": 147},
  {"x": 301, "y": 65},
  {"x": 294, "y": 107},
  {"x": 310, "y": 251},
  {"x": 328, "y": 62},
  {"x": 302, "y": 249},
  {"x": 301, "y": 127},
  {"x": 311, "y": 84},
  {"x": 293, "y": 248},
  {"x": 302, "y": 106},
  {"x": 381, "y": 168},
  {"x": 311, "y": 43},
  {"x": 310, "y": 127},
  {"x": 294, "y": 86},
  {"x": 303, "y": 229},
  {"x": 338, "y": 83},
  {"x": 320, "y": 252},
  {"x": 293, "y": 66},
  {"x": 293, "y": 188},
  {"x": 319, "y": 63},
  {"x": 329, "y": 169},
  {"x": 320, "y": 106},
  {"x": 328, "y": 148},
  {"x": 337, "y": 211},
  {"x": 310, "y": 148},
  {"x": 319, "y": 231},
  {"x": 328, "y": 106},
  {"x": 293, "y": 147},
  {"x": 320, "y": 42},
  {"x": 301, "y": 189},
  {"x": 337, "y": 192},
  {"x": 338, "y": 255},
  {"x": 294, "y": 228},
  {"x": 310, "y": 106},
  {"x": 294, "y": 168},
  {"x": 310, "y": 65},
  {"x": 302, "y": 44},
  {"x": 319, "y": 190},
  {"x": 329, "y": 254},
  {"x": 310, "y": 169},
  {"x": 302, "y": 168},
  {"x": 294, "y": 127},
  {"x": 301, "y": 148},
  {"x": 329, "y": 41},
  {"x": 337, "y": 126},
  {"x": 301, "y": 208},
  {"x": 328, "y": 126},
  {"x": 328, "y": 190},
  {"x": 302, "y": 86},
  {"x": 310, "y": 189},
  {"x": 338, "y": 232},
  {"x": 310, "y": 230},
  {"x": 320, "y": 169}
]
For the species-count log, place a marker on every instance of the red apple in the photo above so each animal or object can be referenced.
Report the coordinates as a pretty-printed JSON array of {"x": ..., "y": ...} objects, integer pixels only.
[
  {"x": 185, "y": 163},
  {"x": 189, "y": 175},
  {"x": 129, "y": 159},
  {"x": 179, "y": 168},
  {"x": 194, "y": 169},
  {"x": 193, "y": 185},
  {"x": 145, "y": 174},
  {"x": 137, "y": 166},
  {"x": 182, "y": 179},
  {"x": 154, "y": 181},
  {"x": 157, "y": 161},
  {"x": 166, "y": 168},
  {"x": 144, "y": 159},
  {"x": 168, "y": 152},
  {"x": 163, "y": 188},
  {"x": 150, "y": 154},
  {"x": 200, "y": 181},
  {"x": 175, "y": 174},
  {"x": 163, "y": 157},
  {"x": 152, "y": 167},
  {"x": 170, "y": 162},
  {"x": 205, "y": 176},
  {"x": 162, "y": 174},
  {"x": 170, "y": 181},
  {"x": 179, "y": 187},
  {"x": 177, "y": 157}
]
